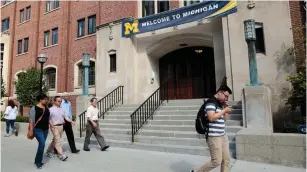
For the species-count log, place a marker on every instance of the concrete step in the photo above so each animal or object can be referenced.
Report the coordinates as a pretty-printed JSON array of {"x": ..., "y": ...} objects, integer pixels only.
[
  {"x": 171, "y": 117},
  {"x": 168, "y": 112},
  {"x": 191, "y": 128},
  {"x": 163, "y": 122},
  {"x": 177, "y": 134},
  {"x": 192, "y": 150}
]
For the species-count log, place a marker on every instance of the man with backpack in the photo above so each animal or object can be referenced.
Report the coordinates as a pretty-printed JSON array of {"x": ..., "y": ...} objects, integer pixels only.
[{"x": 211, "y": 122}]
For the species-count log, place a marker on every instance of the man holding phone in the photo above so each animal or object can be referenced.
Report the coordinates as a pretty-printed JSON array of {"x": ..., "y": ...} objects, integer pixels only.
[
  {"x": 92, "y": 126},
  {"x": 217, "y": 111}
]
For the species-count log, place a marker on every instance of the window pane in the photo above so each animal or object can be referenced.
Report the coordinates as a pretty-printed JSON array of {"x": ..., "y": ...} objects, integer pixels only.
[
  {"x": 56, "y": 4},
  {"x": 50, "y": 77},
  {"x": 91, "y": 24},
  {"x": 19, "y": 50},
  {"x": 28, "y": 13},
  {"x": 5, "y": 24},
  {"x": 163, "y": 6},
  {"x": 81, "y": 27},
  {"x": 80, "y": 79},
  {"x": 112, "y": 62},
  {"x": 26, "y": 45},
  {"x": 260, "y": 45},
  {"x": 21, "y": 16},
  {"x": 148, "y": 7},
  {"x": 54, "y": 36},
  {"x": 47, "y": 6},
  {"x": 2, "y": 46},
  {"x": 46, "y": 38},
  {"x": 91, "y": 74},
  {"x": 1, "y": 56}
]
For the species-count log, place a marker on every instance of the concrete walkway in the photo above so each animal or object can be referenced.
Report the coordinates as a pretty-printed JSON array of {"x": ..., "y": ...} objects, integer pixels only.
[{"x": 17, "y": 155}]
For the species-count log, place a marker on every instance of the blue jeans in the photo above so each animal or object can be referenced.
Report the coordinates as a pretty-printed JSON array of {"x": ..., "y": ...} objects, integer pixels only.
[
  {"x": 41, "y": 136},
  {"x": 9, "y": 123}
]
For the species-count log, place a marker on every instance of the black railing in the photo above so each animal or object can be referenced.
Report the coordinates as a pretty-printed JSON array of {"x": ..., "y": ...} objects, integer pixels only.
[
  {"x": 104, "y": 104},
  {"x": 146, "y": 110}
]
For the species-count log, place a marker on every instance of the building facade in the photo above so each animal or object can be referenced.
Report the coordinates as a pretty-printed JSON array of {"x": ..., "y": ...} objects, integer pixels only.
[
  {"x": 64, "y": 30},
  {"x": 193, "y": 58}
]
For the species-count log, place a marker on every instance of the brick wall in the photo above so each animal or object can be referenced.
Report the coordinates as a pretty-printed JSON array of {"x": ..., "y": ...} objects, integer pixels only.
[{"x": 298, "y": 20}]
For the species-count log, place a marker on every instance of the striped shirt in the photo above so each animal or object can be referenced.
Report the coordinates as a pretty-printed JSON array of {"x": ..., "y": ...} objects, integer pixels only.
[{"x": 217, "y": 127}]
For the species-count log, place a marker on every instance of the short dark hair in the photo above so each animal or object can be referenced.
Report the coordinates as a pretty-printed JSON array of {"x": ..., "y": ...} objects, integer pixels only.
[
  {"x": 41, "y": 97},
  {"x": 92, "y": 99},
  {"x": 11, "y": 103},
  {"x": 225, "y": 88},
  {"x": 54, "y": 99}
]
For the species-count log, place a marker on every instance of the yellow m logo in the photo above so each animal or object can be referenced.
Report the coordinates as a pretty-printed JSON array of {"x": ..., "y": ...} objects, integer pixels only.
[{"x": 131, "y": 27}]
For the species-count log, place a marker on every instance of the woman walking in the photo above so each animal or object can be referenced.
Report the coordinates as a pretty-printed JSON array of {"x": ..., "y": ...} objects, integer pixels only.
[
  {"x": 39, "y": 124},
  {"x": 10, "y": 116}
]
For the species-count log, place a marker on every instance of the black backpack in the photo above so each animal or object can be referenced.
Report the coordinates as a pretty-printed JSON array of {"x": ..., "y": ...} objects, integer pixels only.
[{"x": 201, "y": 121}]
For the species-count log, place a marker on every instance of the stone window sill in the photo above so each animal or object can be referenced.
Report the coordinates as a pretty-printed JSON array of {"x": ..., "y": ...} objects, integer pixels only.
[
  {"x": 86, "y": 36},
  {"x": 51, "y": 11},
  {"x": 50, "y": 46},
  {"x": 80, "y": 87},
  {"x": 24, "y": 22},
  {"x": 22, "y": 54}
]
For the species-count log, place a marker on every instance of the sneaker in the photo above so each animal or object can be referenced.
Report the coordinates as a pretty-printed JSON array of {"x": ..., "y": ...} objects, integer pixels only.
[
  {"x": 105, "y": 148},
  {"x": 38, "y": 166},
  {"x": 16, "y": 133},
  {"x": 86, "y": 149},
  {"x": 192, "y": 171},
  {"x": 49, "y": 154},
  {"x": 63, "y": 157},
  {"x": 7, "y": 135}
]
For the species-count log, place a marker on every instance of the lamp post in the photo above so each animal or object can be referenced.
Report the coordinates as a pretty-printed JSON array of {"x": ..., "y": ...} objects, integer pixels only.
[
  {"x": 85, "y": 64},
  {"x": 250, "y": 38},
  {"x": 42, "y": 58}
]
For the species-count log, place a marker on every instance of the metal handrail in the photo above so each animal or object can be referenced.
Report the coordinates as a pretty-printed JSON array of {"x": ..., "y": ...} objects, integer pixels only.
[
  {"x": 104, "y": 105},
  {"x": 146, "y": 110}
]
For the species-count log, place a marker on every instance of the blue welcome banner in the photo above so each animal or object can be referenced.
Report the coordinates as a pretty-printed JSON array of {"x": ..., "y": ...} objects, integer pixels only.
[{"x": 203, "y": 10}]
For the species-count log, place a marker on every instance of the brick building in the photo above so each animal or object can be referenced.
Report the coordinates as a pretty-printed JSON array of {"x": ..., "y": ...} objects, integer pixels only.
[{"x": 64, "y": 30}]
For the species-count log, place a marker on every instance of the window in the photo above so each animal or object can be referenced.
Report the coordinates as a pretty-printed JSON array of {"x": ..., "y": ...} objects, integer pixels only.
[
  {"x": 2, "y": 46},
  {"x": 189, "y": 2},
  {"x": 48, "y": 6},
  {"x": 112, "y": 62},
  {"x": 91, "y": 74},
  {"x": 21, "y": 19},
  {"x": 46, "y": 39},
  {"x": 148, "y": 8},
  {"x": 19, "y": 50},
  {"x": 54, "y": 36},
  {"x": 81, "y": 27},
  {"x": 56, "y": 4},
  {"x": 260, "y": 46},
  {"x": 92, "y": 24},
  {"x": 5, "y": 24},
  {"x": 26, "y": 45},
  {"x": 163, "y": 6},
  {"x": 28, "y": 13},
  {"x": 50, "y": 78}
]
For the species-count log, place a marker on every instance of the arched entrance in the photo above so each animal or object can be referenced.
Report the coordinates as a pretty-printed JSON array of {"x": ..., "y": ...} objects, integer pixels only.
[{"x": 189, "y": 72}]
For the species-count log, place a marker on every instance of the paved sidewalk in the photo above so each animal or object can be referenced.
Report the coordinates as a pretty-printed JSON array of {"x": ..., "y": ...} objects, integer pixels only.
[{"x": 17, "y": 155}]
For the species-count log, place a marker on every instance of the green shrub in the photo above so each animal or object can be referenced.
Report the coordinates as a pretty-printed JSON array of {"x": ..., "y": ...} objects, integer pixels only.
[{"x": 19, "y": 118}]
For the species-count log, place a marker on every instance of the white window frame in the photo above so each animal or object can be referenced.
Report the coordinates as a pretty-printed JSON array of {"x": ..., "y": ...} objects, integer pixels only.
[{"x": 140, "y": 5}]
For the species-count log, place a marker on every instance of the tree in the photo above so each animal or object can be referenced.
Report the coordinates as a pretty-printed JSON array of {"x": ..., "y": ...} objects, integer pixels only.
[
  {"x": 28, "y": 87},
  {"x": 3, "y": 90}
]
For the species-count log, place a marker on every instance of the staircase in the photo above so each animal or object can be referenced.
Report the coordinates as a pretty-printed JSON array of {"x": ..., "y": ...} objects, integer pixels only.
[{"x": 171, "y": 130}]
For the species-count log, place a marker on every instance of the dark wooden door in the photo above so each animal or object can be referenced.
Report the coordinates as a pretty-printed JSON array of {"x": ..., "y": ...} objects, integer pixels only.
[{"x": 189, "y": 74}]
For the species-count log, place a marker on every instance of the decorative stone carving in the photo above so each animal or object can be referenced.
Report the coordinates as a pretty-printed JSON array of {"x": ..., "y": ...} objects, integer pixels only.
[
  {"x": 111, "y": 31},
  {"x": 250, "y": 4},
  {"x": 175, "y": 27}
]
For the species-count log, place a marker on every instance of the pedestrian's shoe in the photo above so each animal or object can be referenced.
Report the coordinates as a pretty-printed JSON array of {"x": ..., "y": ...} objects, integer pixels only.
[
  {"x": 105, "y": 148},
  {"x": 86, "y": 149},
  {"x": 39, "y": 166},
  {"x": 16, "y": 133},
  {"x": 7, "y": 135},
  {"x": 49, "y": 154},
  {"x": 192, "y": 171},
  {"x": 63, "y": 157},
  {"x": 75, "y": 151}
]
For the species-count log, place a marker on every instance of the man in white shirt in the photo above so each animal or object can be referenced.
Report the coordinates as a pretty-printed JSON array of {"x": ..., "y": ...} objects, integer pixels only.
[{"x": 92, "y": 126}]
